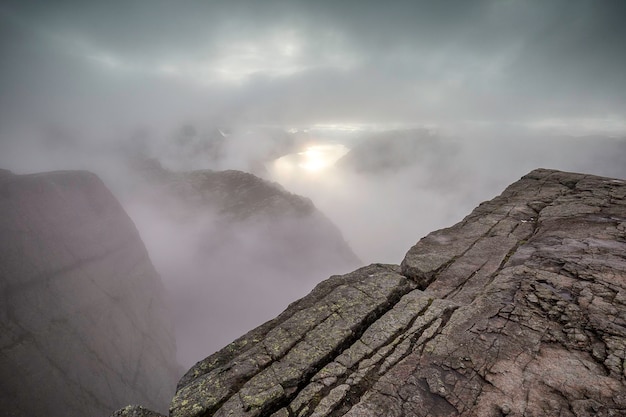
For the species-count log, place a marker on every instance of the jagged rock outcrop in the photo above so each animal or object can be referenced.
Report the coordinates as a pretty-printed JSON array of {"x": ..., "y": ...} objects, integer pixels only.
[
  {"x": 518, "y": 310},
  {"x": 84, "y": 328}
]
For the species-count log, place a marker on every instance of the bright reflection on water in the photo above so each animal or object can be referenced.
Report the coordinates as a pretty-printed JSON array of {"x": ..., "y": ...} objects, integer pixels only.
[{"x": 313, "y": 160}]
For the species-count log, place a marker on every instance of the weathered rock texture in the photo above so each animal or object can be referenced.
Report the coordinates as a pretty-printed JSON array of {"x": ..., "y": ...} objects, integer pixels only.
[
  {"x": 135, "y": 411},
  {"x": 83, "y": 325},
  {"x": 518, "y": 310}
]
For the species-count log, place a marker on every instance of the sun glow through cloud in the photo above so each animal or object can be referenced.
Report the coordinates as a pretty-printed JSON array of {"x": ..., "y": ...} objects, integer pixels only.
[{"x": 315, "y": 159}]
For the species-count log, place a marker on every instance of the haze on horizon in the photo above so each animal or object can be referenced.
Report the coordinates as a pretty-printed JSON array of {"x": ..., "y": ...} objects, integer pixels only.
[{"x": 494, "y": 81}]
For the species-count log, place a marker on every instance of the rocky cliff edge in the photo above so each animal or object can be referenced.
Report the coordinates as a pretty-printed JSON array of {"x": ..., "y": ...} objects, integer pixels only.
[{"x": 518, "y": 310}]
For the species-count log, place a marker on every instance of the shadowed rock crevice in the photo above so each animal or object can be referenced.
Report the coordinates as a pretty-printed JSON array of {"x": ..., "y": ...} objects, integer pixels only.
[{"x": 517, "y": 310}]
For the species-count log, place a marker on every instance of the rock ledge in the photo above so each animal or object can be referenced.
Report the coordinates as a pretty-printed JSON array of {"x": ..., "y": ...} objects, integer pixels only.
[{"x": 518, "y": 310}]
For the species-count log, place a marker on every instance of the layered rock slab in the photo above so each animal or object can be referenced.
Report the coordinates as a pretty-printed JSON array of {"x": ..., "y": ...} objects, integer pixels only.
[
  {"x": 84, "y": 326},
  {"x": 518, "y": 310}
]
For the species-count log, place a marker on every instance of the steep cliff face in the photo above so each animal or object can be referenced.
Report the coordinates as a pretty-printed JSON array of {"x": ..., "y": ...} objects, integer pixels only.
[
  {"x": 518, "y": 310},
  {"x": 83, "y": 325}
]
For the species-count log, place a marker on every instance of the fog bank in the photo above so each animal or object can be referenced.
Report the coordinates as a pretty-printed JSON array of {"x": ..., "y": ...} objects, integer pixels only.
[{"x": 432, "y": 107}]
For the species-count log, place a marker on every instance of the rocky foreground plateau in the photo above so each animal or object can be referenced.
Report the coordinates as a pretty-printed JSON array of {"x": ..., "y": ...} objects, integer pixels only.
[{"x": 518, "y": 310}]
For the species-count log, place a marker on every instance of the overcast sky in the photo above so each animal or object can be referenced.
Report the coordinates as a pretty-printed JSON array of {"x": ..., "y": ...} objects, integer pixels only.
[{"x": 317, "y": 61}]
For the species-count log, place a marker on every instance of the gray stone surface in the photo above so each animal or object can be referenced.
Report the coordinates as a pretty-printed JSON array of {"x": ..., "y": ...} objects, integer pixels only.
[
  {"x": 84, "y": 328},
  {"x": 518, "y": 310}
]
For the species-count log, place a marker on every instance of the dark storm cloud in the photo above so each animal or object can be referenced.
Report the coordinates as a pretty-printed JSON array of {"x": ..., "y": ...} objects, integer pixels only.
[{"x": 309, "y": 61}]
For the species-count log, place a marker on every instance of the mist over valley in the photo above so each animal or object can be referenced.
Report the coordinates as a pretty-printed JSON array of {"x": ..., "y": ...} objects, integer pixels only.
[{"x": 259, "y": 148}]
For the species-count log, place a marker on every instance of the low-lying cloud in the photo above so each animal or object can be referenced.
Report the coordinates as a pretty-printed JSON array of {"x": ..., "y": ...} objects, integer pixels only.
[{"x": 498, "y": 88}]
